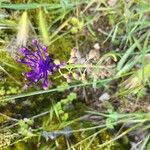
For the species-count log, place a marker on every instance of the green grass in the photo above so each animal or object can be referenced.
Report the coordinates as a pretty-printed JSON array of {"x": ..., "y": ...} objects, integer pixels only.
[{"x": 122, "y": 32}]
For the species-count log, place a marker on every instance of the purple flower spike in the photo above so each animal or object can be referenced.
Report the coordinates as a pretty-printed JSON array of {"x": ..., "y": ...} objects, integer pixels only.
[{"x": 40, "y": 63}]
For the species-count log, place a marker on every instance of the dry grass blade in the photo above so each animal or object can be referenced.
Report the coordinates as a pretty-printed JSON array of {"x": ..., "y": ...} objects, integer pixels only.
[
  {"x": 23, "y": 30},
  {"x": 43, "y": 26}
]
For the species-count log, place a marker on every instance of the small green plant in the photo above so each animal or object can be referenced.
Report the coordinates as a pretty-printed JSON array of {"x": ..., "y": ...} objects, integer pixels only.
[
  {"x": 76, "y": 25},
  {"x": 60, "y": 107},
  {"x": 25, "y": 129}
]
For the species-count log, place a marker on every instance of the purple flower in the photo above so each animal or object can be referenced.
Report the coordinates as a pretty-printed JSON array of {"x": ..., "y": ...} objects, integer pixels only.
[{"x": 40, "y": 63}]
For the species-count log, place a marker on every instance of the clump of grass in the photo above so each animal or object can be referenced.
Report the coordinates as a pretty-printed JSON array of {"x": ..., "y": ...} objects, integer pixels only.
[{"x": 120, "y": 68}]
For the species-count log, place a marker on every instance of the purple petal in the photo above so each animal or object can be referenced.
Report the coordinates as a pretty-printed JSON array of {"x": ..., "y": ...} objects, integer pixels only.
[
  {"x": 44, "y": 48},
  {"x": 34, "y": 41},
  {"x": 45, "y": 84},
  {"x": 39, "y": 62}
]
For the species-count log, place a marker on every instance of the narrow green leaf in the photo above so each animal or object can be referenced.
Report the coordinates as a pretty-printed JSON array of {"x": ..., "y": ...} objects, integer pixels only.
[
  {"x": 22, "y": 6},
  {"x": 128, "y": 53}
]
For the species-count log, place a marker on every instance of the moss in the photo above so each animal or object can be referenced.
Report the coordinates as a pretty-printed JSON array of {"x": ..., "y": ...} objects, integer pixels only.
[
  {"x": 9, "y": 90},
  {"x": 62, "y": 145},
  {"x": 107, "y": 136},
  {"x": 3, "y": 119},
  {"x": 100, "y": 139},
  {"x": 5, "y": 139},
  {"x": 62, "y": 47},
  {"x": 21, "y": 146}
]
